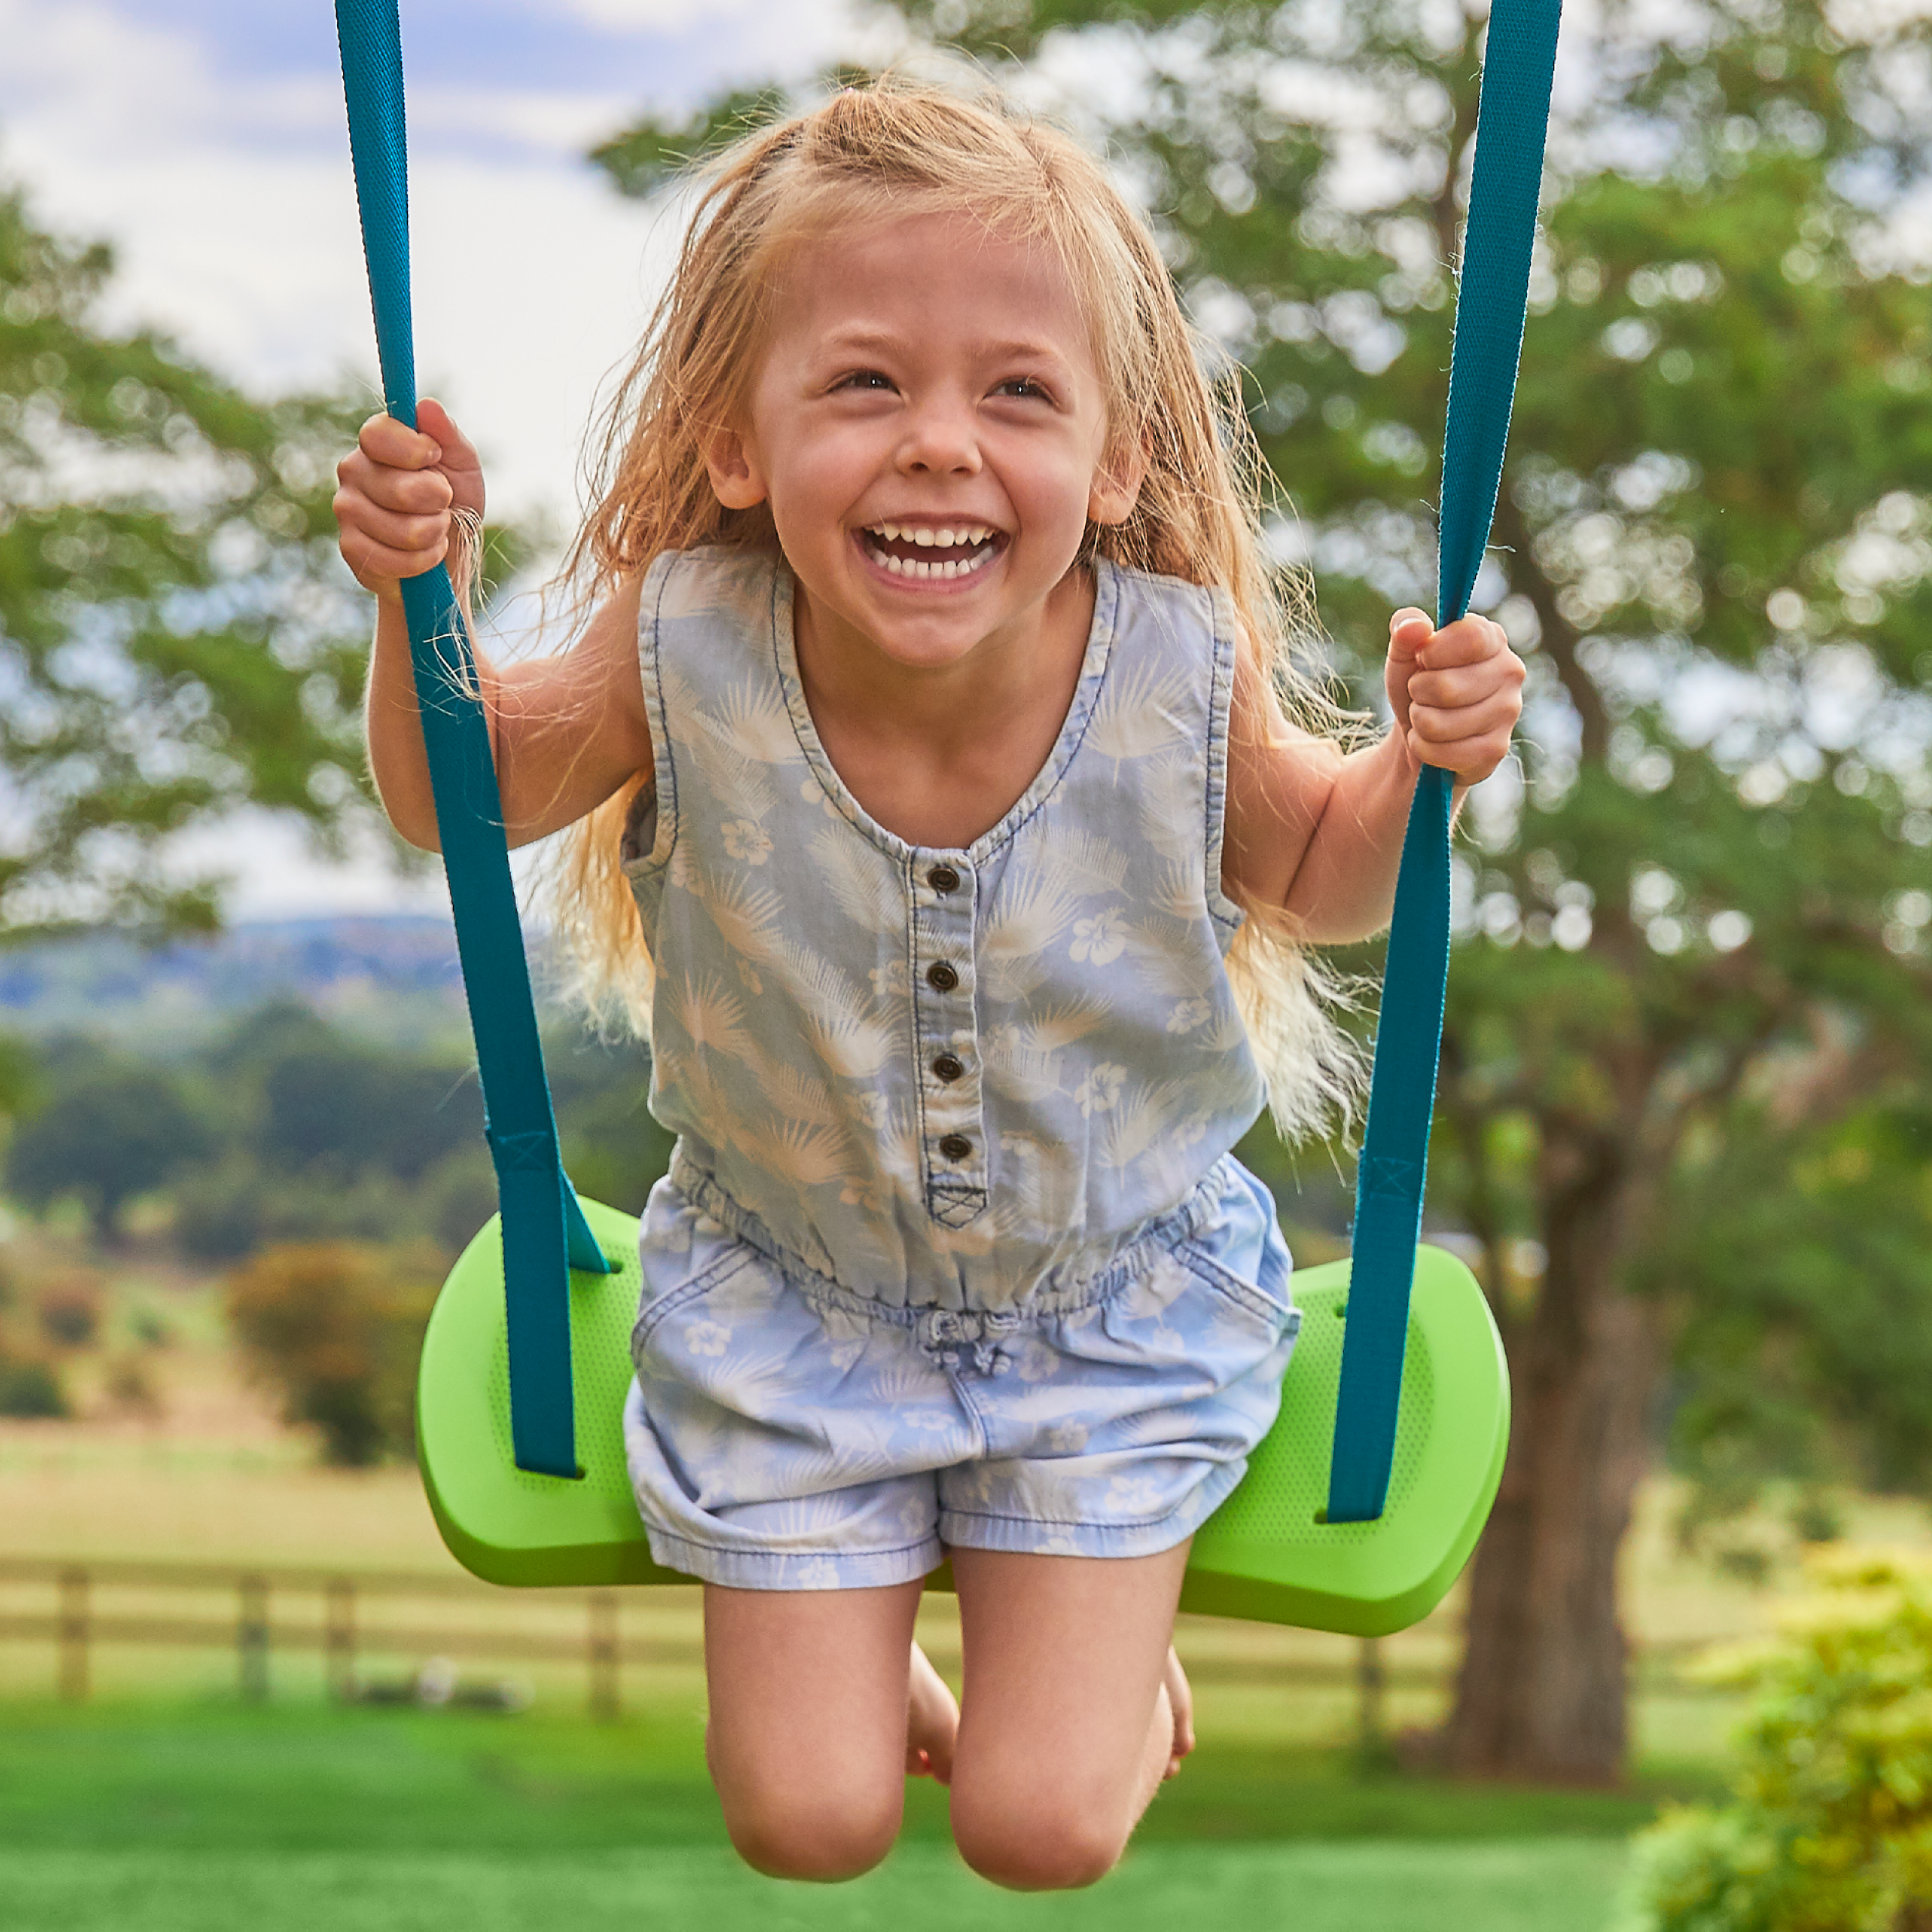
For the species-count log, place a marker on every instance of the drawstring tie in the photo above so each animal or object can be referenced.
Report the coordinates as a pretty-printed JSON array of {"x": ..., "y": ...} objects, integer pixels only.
[{"x": 966, "y": 1340}]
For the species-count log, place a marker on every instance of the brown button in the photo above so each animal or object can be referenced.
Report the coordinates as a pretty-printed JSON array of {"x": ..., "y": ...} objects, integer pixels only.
[
  {"x": 955, "y": 1147},
  {"x": 949, "y": 1067},
  {"x": 943, "y": 879},
  {"x": 941, "y": 977}
]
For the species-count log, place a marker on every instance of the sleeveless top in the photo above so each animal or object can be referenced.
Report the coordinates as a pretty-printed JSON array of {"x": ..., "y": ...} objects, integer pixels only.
[{"x": 939, "y": 1078}]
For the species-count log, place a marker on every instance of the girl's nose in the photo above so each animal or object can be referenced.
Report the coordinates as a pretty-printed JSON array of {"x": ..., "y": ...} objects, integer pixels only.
[{"x": 939, "y": 441}]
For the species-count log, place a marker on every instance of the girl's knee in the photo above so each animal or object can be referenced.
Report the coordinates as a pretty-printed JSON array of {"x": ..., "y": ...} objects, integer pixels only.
[
  {"x": 812, "y": 1834},
  {"x": 1033, "y": 1840}
]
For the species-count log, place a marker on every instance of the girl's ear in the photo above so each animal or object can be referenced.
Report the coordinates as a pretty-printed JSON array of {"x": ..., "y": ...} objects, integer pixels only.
[
  {"x": 1117, "y": 484},
  {"x": 736, "y": 480}
]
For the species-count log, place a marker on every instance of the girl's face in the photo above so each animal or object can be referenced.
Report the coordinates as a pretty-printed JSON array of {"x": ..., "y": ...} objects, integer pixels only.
[{"x": 928, "y": 428}]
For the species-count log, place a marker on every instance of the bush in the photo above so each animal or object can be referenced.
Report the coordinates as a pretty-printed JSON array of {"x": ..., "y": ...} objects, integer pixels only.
[
  {"x": 70, "y": 1306},
  {"x": 1830, "y": 1829},
  {"x": 28, "y": 1387},
  {"x": 337, "y": 1328}
]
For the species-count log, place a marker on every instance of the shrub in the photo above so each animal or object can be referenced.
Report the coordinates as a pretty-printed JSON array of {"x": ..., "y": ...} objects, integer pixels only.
[
  {"x": 336, "y": 1328},
  {"x": 28, "y": 1387},
  {"x": 70, "y": 1307},
  {"x": 1831, "y": 1827}
]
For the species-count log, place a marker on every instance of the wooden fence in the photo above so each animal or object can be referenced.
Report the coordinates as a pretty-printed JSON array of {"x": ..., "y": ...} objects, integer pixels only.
[{"x": 347, "y": 1618}]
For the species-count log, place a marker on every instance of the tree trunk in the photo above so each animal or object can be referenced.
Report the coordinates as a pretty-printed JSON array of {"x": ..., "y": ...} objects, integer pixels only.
[{"x": 1541, "y": 1695}]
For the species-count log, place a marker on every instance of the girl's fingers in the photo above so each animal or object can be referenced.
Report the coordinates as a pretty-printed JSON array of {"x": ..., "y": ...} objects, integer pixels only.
[
  {"x": 1468, "y": 640},
  {"x": 392, "y": 529},
  {"x": 1474, "y": 684},
  {"x": 1443, "y": 725},
  {"x": 394, "y": 445},
  {"x": 372, "y": 561},
  {"x": 1472, "y": 758},
  {"x": 420, "y": 493}
]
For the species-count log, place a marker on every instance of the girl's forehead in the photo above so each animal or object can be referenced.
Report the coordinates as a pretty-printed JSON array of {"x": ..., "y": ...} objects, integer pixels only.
[{"x": 952, "y": 272}]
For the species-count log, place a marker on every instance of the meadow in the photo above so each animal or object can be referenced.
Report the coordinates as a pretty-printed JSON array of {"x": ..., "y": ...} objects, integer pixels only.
[{"x": 165, "y": 1801}]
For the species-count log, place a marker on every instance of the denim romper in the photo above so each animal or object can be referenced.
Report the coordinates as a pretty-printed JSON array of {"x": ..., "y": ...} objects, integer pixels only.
[{"x": 953, "y": 1251}]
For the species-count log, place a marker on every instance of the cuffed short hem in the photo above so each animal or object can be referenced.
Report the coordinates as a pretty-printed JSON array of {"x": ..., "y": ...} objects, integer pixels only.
[
  {"x": 970, "y": 1529},
  {"x": 793, "y": 1568}
]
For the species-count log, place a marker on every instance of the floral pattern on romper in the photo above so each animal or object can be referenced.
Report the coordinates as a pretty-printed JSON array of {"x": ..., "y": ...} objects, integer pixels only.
[{"x": 953, "y": 1247}]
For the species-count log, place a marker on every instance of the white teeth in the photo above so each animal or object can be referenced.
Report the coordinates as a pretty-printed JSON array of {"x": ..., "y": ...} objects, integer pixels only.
[{"x": 975, "y": 538}]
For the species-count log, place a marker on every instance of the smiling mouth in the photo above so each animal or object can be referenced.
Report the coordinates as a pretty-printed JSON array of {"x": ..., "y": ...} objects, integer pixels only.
[{"x": 926, "y": 554}]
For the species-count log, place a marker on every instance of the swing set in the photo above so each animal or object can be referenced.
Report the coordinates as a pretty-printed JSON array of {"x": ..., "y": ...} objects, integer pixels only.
[{"x": 1362, "y": 1504}]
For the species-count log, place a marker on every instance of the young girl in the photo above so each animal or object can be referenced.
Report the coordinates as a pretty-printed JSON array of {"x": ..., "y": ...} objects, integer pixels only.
[{"x": 924, "y": 738}]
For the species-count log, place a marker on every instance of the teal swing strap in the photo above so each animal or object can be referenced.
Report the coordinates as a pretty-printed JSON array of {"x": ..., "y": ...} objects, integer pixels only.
[
  {"x": 544, "y": 1230},
  {"x": 1517, "y": 66},
  {"x": 545, "y": 1234}
]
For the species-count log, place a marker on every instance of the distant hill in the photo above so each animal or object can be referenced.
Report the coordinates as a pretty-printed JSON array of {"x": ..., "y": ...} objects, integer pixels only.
[{"x": 395, "y": 976}]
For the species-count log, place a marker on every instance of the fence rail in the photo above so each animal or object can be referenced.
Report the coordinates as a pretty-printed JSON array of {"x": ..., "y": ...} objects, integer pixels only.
[{"x": 348, "y": 1617}]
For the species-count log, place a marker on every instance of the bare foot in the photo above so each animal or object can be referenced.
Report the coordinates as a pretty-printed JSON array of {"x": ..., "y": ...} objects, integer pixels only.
[
  {"x": 932, "y": 1722},
  {"x": 1180, "y": 1698}
]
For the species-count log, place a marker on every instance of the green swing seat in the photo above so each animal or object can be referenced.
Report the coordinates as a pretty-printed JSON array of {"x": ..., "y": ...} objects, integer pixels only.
[
  {"x": 1359, "y": 1508},
  {"x": 1267, "y": 1552}
]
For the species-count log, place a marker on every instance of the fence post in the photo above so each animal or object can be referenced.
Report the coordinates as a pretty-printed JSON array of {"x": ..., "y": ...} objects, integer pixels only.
[
  {"x": 340, "y": 1640},
  {"x": 75, "y": 1629},
  {"x": 603, "y": 1655},
  {"x": 1369, "y": 1686},
  {"x": 251, "y": 1638}
]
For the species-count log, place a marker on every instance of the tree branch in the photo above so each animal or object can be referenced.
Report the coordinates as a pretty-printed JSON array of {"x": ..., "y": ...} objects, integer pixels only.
[{"x": 1560, "y": 637}]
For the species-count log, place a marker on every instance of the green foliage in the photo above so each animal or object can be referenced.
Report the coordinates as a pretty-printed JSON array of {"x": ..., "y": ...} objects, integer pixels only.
[
  {"x": 1831, "y": 1826},
  {"x": 336, "y": 1328},
  {"x": 289, "y": 1129},
  {"x": 176, "y": 635},
  {"x": 1806, "y": 1356},
  {"x": 118, "y": 1129},
  {"x": 29, "y": 1387}
]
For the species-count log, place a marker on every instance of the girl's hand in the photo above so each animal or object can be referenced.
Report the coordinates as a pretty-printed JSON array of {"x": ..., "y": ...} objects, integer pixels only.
[
  {"x": 397, "y": 489},
  {"x": 1457, "y": 693}
]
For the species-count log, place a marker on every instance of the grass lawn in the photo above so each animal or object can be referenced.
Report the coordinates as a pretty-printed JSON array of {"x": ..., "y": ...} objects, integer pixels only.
[{"x": 201, "y": 1818}]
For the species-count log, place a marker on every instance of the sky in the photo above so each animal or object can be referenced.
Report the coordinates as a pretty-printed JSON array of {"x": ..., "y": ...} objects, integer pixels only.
[{"x": 205, "y": 139}]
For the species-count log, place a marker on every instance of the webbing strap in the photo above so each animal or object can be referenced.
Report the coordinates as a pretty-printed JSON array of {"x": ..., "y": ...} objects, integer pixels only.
[
  {"x": 1490, "y": 305},
  {"x": 545, "y": 1234}
]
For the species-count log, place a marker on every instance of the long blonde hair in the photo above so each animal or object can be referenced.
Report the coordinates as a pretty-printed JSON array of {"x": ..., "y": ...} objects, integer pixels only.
[{"x": 892, "y": 149}]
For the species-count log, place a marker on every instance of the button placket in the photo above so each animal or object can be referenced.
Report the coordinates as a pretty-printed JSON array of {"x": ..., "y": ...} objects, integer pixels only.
[{"x": 945, "y": 1038}]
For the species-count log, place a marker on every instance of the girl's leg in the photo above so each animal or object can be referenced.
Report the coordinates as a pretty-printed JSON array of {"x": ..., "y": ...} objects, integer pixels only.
[
  {"x": 808, "y": 1740},
  {"x": 1069, "y": 1726}
]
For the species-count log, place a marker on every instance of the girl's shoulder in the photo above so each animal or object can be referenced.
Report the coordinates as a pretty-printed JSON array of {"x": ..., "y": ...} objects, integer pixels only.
[
  {"x": 1185, "y": 607},
  {"x": 705, "y": 572}
]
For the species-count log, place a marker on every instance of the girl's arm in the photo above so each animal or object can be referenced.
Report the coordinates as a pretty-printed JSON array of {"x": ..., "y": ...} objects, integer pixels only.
[
  {"x": 566, "y": 731},
  {"x": 1319, "y": 832}
]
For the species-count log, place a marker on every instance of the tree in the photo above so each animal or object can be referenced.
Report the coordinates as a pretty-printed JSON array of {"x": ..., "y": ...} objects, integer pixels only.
[
  {"x": 115, "y": 1130},
  {"x": 177, "y": 638},
  {"x": 336, "y": 1328},
  {"x": 1714, "y": 544}
]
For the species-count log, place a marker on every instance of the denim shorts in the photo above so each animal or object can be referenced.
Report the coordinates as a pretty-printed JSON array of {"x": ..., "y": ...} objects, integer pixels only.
[{"x": 784, "y": 1433}]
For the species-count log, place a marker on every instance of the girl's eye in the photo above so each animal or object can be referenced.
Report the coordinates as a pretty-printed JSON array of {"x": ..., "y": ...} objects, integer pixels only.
[
  {"x": 1026, "y": 388},
  {"x": 864, "y": 378}
]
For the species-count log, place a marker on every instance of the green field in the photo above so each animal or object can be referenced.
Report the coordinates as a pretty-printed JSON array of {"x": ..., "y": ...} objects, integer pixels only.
[
  {"x": 165, "y": 1806},
  {"x": 205, "y": 1818}
]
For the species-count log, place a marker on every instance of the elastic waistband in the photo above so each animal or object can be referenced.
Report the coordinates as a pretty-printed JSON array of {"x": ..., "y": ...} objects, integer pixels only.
[{"x": 1081, "y": 1283}]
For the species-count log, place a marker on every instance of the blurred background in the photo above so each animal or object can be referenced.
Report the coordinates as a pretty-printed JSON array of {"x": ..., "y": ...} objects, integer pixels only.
[{"x": 1686, "y": 1103}]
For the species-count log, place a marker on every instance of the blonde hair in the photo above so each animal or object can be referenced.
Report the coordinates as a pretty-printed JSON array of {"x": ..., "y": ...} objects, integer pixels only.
[{"x": 893, "y": 149}]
